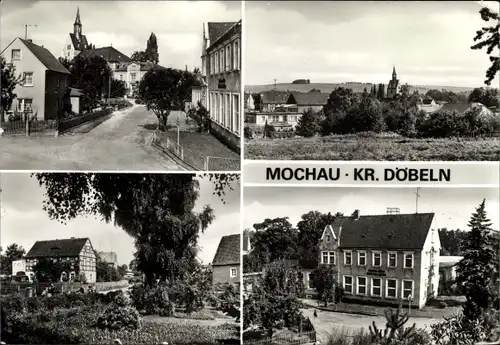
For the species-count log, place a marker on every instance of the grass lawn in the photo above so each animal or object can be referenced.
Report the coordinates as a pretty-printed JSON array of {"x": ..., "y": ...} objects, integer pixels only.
[{"x": 376, "y": 147}]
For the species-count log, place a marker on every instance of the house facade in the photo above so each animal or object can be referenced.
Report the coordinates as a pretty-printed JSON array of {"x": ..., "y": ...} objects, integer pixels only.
[
  {"x": 384, "y": 258},
  {"x": 311, "y": 100},
  {"x": 78, "y": 251},
  {"x": 226, "y": 263},
  {"x": 221, "y": 68},
  {"x": 44, "y": 83},
  {"x": 131, "y": 73},
  {"x": 271, "y": 100}
]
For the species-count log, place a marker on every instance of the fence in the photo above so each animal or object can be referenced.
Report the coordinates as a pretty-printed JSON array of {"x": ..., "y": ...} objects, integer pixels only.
[
  {"x": 20, "y": 127},
  {"x": 295, "y": 339},
  {"x": 195, "y": 160}
]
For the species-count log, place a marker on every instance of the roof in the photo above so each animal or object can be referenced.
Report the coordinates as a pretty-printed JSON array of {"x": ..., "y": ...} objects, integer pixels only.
[
  {"x": 217, "y": 29},
  {"x": 108, "y": 257},
  {"x": 45, "y": 57},
  {"x": 110, "y": 54},
  {"x": 228, "y": 252},
  {"x": 73, "y": 92},
  {"x": 274, "y": 97},
  {"x": 310, "y": 98},
  {"x": 459, "y": 107},
  {"x": 144, "y": 66},
  {"x": 57, "y": 248},
  {"x": 449, "y": 261},
  {"x": 388, "y": 231},
  {"x": 79, "y": 44}
]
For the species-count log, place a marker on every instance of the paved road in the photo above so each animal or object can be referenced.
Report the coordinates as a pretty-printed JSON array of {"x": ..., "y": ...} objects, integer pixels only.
[
  {"x": 119, "y": 143},
  {"x": 326, "y": 322}
]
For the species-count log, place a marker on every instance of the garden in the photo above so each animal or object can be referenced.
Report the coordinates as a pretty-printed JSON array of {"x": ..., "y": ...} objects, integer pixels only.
[{"x": 78, "y": 318}]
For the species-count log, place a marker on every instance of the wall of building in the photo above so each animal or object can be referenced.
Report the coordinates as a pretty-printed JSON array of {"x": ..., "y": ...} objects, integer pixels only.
[
  {"x": 88, "y": 262},
  {"x": 55, "y": 90},
  {"x": 28, "y": 63},
  {"x": 18, "y": 266},
  {"x": 75, "y": 104},
  {"x": 221, "y": 274},
  {"x": 429, "y": 272}
]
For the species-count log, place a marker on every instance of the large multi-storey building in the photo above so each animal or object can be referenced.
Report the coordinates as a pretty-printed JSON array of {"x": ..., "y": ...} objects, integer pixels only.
[
  {"x": 78, "y": 251},
  {"x": 221, "y": 68},
  {"x": 386, "y": 258}
]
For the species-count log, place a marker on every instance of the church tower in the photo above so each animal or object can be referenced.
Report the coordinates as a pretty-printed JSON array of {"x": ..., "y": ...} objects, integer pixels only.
[
  {"x": 77, "y": 26},
  {"x": 393, "y": 87}
]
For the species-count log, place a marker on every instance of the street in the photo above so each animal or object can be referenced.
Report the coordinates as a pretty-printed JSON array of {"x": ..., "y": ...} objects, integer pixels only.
[
  {"x": 326, "y": 321},
  {"x": 121, "y": 142}
]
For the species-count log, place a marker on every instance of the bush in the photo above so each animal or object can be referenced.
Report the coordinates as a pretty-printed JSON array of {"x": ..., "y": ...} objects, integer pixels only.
[
  {"x": 442, "y": 305},
  {"x": 247, "y": 133},
  {"x": 116, "y": 317},
  {"x": 152, "y": 300},
  {"x": 269, "y": 131}
]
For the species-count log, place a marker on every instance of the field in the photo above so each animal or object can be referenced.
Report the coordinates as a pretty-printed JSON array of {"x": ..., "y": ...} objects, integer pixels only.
[
  {"x": 374, "y": 148},
  {"x": 356, "y": 87}
]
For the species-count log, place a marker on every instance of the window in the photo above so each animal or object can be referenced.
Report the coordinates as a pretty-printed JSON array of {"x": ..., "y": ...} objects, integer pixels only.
[
  {"x": 408, "y": 260},
  {"x": 236, "y": 55},
  {"x": 228, "y": 57},
  {"x": 348, "y": 258},
  {"x": 221, "y": 60},
  {"x": 332, "y": 258},
  {"x": 132, "y": 77},
  {"x": 376, "y": 287},
  {"x": 348, "y": 284},
  {"x": 361, "y": 258},
  {"x": 361, "y": 286},
  {"x": 390, "y": 288},
  {"x": 376, "y": 259},
  {"x": 25, "y": 105},
  {"x": 69, "y": 47},
  {"x": 16, "y": 54},
  {"x": 324, "y": 257},
  {"x": 229, "y": 119},
  {"x": 407, "y": 288},
  {"x": 392, "y": 259},
  {"x": 121, "y": 76},
  {"x": 28, "y": 79},
  {"x": 232, "y": 273},
  {"x": 236, "y": 113},
  {"x": 213, "y": 106},
  {"x": 327, "y": 238},
  {"x": 217, "y": 62},
  {"x": 58, "y": 80},
  {"x": 221, "y": 110},
  {"x": 275, "y": 118}
]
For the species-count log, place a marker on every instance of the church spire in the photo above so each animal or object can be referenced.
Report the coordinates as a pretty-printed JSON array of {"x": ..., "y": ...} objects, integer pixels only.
[
  {"x": 77, "y": 19},
  {"x": 394, "y": 71}
]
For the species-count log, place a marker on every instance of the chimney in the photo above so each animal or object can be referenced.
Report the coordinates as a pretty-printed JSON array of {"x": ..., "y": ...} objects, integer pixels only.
[
  {"x": 30, "y": 40},
  {"x": 356, "y": 214}
]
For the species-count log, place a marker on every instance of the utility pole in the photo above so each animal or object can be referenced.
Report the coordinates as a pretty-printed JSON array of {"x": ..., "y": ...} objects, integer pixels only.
[
  {"x": 417, "y": 196},
  {"x": 26, "y": 29},
  {"x": 274, "y": 84}
]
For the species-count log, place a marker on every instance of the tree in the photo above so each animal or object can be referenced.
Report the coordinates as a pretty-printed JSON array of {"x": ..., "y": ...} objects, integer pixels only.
[
  {"x": 339, "y": 103},
  {"x": 8, "y": 85},
  {"x": 486, "y": 96},
  {"x": 202, "y": 117},
  {"x": 314, "y": 90},
  {"x": 166, "y": 89},
  {"x": 122, "y": 270},
  {"x": 325, "y": 281},
  {"x": 367, "y": 116},
  {"x": 12, "y": 253},
  {"x": 194, "y": 290},
  {"x": 489, "y": 37},
  {"x": 310, "y": 229},
  {"x": 477, "y": 272},
  {"x": 269, "y": 131},
  {"x": 139, "y": 56},
  {"x": 275, "y": 301},
  {"x": 118, "y": 88},
  {"x": 155, "y": 209},
  {"x": 152, "y": 49},
  {"x": 274, "y": 240},
  {"x": 308, "y": 124},
  {"x": 49, "y": 271}
]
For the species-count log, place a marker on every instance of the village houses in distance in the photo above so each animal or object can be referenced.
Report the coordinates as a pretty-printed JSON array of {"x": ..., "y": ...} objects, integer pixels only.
[{"x": 48, "y": 104}]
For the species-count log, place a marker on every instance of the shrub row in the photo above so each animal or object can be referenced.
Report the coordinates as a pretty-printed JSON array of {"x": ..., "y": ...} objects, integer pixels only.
[{"x": 76, "y": 121}]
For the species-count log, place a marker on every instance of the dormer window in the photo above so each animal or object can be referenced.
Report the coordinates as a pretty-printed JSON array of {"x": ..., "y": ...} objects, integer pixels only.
[{"x": 327, "y": 238}]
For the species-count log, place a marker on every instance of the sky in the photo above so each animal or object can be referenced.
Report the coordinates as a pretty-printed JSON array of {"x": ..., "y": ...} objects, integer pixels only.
[
  {"x": 126, "y": 25},
  {"x": 452, "y": 206},
  {"x": 24, "y": 222},
  {"x": 339, "y": 41}
]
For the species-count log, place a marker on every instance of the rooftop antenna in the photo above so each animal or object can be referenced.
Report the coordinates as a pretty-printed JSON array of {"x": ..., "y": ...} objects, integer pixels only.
[
  {"x": 26, "y": 29},
  {"x": 417, "y": 196}
]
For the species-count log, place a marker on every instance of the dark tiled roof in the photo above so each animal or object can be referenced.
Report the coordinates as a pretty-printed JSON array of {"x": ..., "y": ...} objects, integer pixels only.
[
  {"x": 394, "y": 231},
  {"x": 217, "y": 30},
  {"x": 273, "y": 96},
  {"x": 228, "y": 252},
  {"x": 145, "y": 66},
  {"x": 110, "y": 54},
  {"x": 57, "y": 248},
  {"x": 79, "y": 44},
  {"x": 459, "y": 107},
  {"x": 310, "y": 98},
  {"x": 45, "y": 57}
]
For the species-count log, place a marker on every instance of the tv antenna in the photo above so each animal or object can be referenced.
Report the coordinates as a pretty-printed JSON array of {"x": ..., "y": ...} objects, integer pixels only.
[
  {"x": 417, "y": 196},
  {"x": 26, "y": 26}
]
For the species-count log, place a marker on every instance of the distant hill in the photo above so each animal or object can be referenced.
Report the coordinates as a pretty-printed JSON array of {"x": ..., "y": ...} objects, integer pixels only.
[{"x": 356, "y": 87}]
